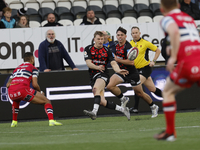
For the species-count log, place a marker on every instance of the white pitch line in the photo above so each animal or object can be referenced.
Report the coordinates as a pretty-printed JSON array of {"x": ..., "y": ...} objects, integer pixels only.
[{"x": 164, "y": 128}]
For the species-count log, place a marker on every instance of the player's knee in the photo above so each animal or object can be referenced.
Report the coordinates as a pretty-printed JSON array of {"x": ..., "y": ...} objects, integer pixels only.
[
  {"x": 139, "y": 93},
  {"x": 152, "y": 89},
  {"x": 94, "y": 90},
  {"x": 109, "y": 87}
]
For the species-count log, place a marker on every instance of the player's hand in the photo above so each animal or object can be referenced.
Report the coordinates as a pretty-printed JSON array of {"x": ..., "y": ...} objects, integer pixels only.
[
  {"x": 151, "y": 64},
  {"x": 75, "y": 69},
  {"x": 47, "y": 70},
  {"x": 123, "y": 72},
  {"x": 170, "y": 64},
  {"x": 101, "y": 68}
]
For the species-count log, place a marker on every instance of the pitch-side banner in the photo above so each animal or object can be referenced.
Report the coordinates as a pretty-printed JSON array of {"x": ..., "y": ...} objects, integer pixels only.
[{"x": 15, "y": 42}]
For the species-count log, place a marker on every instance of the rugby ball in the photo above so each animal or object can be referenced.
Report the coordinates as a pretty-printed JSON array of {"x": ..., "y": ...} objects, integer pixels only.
[{"x": 132, "y": 53}]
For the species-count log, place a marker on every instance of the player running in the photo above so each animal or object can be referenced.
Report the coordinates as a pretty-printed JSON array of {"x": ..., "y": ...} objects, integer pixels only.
[
  {"x": 97, "y": 57},
  {"x": 19, "y": 89},
  {"x": 185, "y": 49}
]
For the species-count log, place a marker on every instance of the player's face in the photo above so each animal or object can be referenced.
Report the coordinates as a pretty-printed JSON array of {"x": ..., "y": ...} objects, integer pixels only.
[
  {"x": 51, "y": 36},
  {"x": 7, "y": 14},
  {"x": 98, "y": 41},
  {"x": 51, "y": 18},
  {"x": 121, "y": 37},
  {"x": 135, "y": 34},
  {"x": 32, "y": 61}
]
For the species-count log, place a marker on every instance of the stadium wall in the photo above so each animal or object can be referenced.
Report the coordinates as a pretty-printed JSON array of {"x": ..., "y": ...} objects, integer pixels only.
[{"x": 70, "y": 93}]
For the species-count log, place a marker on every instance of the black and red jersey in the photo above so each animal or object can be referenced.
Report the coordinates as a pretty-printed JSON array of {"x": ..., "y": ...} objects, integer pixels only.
[
  {"x": 99, "y": 57},
  {"x": 121, "y": 53}
]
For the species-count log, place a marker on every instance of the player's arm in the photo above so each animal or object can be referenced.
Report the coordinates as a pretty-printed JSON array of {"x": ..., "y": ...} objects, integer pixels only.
[
  {"x": 174, "y": 35},
  {"x": 8, "y": 83},
  {"x": 124, "y": 61},
  {"x": 93, "y": 66},
  {"x": 35, "y": 84},
  {"x": 117, "y": 69}
]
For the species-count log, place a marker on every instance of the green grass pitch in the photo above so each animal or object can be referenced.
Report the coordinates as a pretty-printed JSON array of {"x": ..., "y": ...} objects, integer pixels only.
[{"x": 105, "y": 133}]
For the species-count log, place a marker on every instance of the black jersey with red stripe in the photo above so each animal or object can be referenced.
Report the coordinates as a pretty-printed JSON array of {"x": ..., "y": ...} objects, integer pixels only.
[
  {"x": 99, "y": 57},
  {"x": 121, "y": 52}
]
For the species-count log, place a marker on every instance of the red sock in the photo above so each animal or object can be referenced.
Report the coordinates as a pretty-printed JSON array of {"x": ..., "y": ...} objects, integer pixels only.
[
  {"x": 15, "y": 109},
  {"x": 49, "y": 111},
  {"x": 170, "y": 110}
]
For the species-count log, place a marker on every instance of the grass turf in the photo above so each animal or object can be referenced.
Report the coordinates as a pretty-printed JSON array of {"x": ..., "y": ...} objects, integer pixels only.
[{"x": 105, "y": 133}]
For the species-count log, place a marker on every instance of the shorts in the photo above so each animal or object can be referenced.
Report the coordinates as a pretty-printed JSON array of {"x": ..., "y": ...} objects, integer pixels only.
[
  {"x": 186, "y": 74},
  {"x": 24, "y": 94},
  {"x": 101, "y": 75},
  {"x": 145, "y": 71},
  {"x": 132, "y": 78}
]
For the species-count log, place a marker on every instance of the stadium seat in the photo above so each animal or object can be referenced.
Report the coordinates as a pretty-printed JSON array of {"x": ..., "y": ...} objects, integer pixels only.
[
  {"x": 66, "y": 22},
  {"x": 64, "y": 3},
  {"x": 111, "y": 11},
  {"x": 44, "y": 11},
  {"x": 157, "y": 18},
  {"x": 102, "y": 21},
  {"x": 127, "y": 10},
  {"x": 14, "y": 14},
  {"x": 16, "y": 4},
  {"x": 113, "y": 21},
  {"x": 78, "y": 11},
  {"x": 34, "y": 24},
  {"x": 111, "y": 2},
  {"x": 146, "y": 2},
  {"x": 77, "y": 22},
  {"x": 31, "y": 4},
  {"x": 35, "y": 17},
  {"x": 154, "y": 1},
  {"x": 98, "y": 3},
  {"x": 155, "y": 8},
  {"x": 143, "y": 10},
  {"x": 144, "y": 19},
  {"x": 127, "y": 20},
  {"x": 81, "y": 3},
  {"x": 58, "y": 11},
  {"x": 127, "y": 2},
  {"x": 43, "y": 23},
  {"x": 98, "y": 11},
  {"x": 48, "y": 4},
  {"x": 31, "y": 11}
]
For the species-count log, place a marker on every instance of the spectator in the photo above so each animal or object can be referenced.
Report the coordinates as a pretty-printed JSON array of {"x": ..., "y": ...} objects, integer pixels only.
[
  {"x": 22, "y": 11},
  {"x": 23, "y": 22},
  {"x": 2, "y": 6},
  {"x": 191, "y": 9},
  {"x": 51, "y": 54},
  {"x": 90, "y": 18},
  {"x": 52, "y": 21},
  {"x": 7, "y": 21},
  {"x": 198, "y": 28},
  {"x": 108, "y": 42}
]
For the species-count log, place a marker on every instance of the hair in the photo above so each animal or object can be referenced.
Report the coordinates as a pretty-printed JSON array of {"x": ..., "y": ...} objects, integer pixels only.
[
  {"x": 134, "y": 27},
  {"x": 6, "y": 9},
  {"x": 168, "y": 4},
  {"x": 89, "y": 9},
  {"x": 48, "y": 31},
  {"x": 122, "y": 30},
  {"x": 98, "y": 33},
  {"x": 27, "y": 56}
]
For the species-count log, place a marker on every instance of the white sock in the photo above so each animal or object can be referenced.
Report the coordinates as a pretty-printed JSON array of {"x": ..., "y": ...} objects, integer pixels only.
[
  {"x": 119, "y": 108},
  {"x": 95, "y": 108}
]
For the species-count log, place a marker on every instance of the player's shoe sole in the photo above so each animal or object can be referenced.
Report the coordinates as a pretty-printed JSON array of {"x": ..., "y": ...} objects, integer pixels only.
[
  {"x": 54, "y": 123},
  {"x": 90, "y": 114},
  {"x": 165, "y": 136},
  {"x": 13, "y": 124}
]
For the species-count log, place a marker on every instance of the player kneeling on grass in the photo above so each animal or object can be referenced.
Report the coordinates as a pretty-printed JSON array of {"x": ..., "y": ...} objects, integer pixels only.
[{"x": 19, "y": 89}]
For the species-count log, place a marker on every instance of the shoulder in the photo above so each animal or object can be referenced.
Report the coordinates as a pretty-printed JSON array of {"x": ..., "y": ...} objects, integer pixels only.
[
  {"x": 128, "y": 45},
  {"x": 87, "y": 48}
]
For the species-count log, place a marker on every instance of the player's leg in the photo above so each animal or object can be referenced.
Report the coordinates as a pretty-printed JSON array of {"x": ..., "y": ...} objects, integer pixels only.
[
  {"x": 98, "y": 87},
  {"x": 169, "y": 108},
  {"x": 15, "y": 110},
  {"x": 139, "y": 91},
  {"x": 42, "y": 100},
  {"x": 113, "y": 88}
]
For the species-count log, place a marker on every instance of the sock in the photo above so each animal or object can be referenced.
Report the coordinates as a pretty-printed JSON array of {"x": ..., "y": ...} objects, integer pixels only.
[
  {"x": 151, "y": 104},
  {"x": 170, "y": 110},
  {"x": 158, "y": 92},
  {"x": 137, "y": 99},
  {"x": 120, "y": 96},
  {"x": 49, "y": 111},
  {"x": 15, "y": 110},
  {"x": 110, "y": 105},
  {"x": 97, "y": 100}
]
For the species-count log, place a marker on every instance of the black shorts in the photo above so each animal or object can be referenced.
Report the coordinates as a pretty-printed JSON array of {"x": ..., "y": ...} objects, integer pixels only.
[
  {"x": 101, "y": 75},
  {"x": 132, "y": 78},
  {"x": 145, "y": 71}
]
